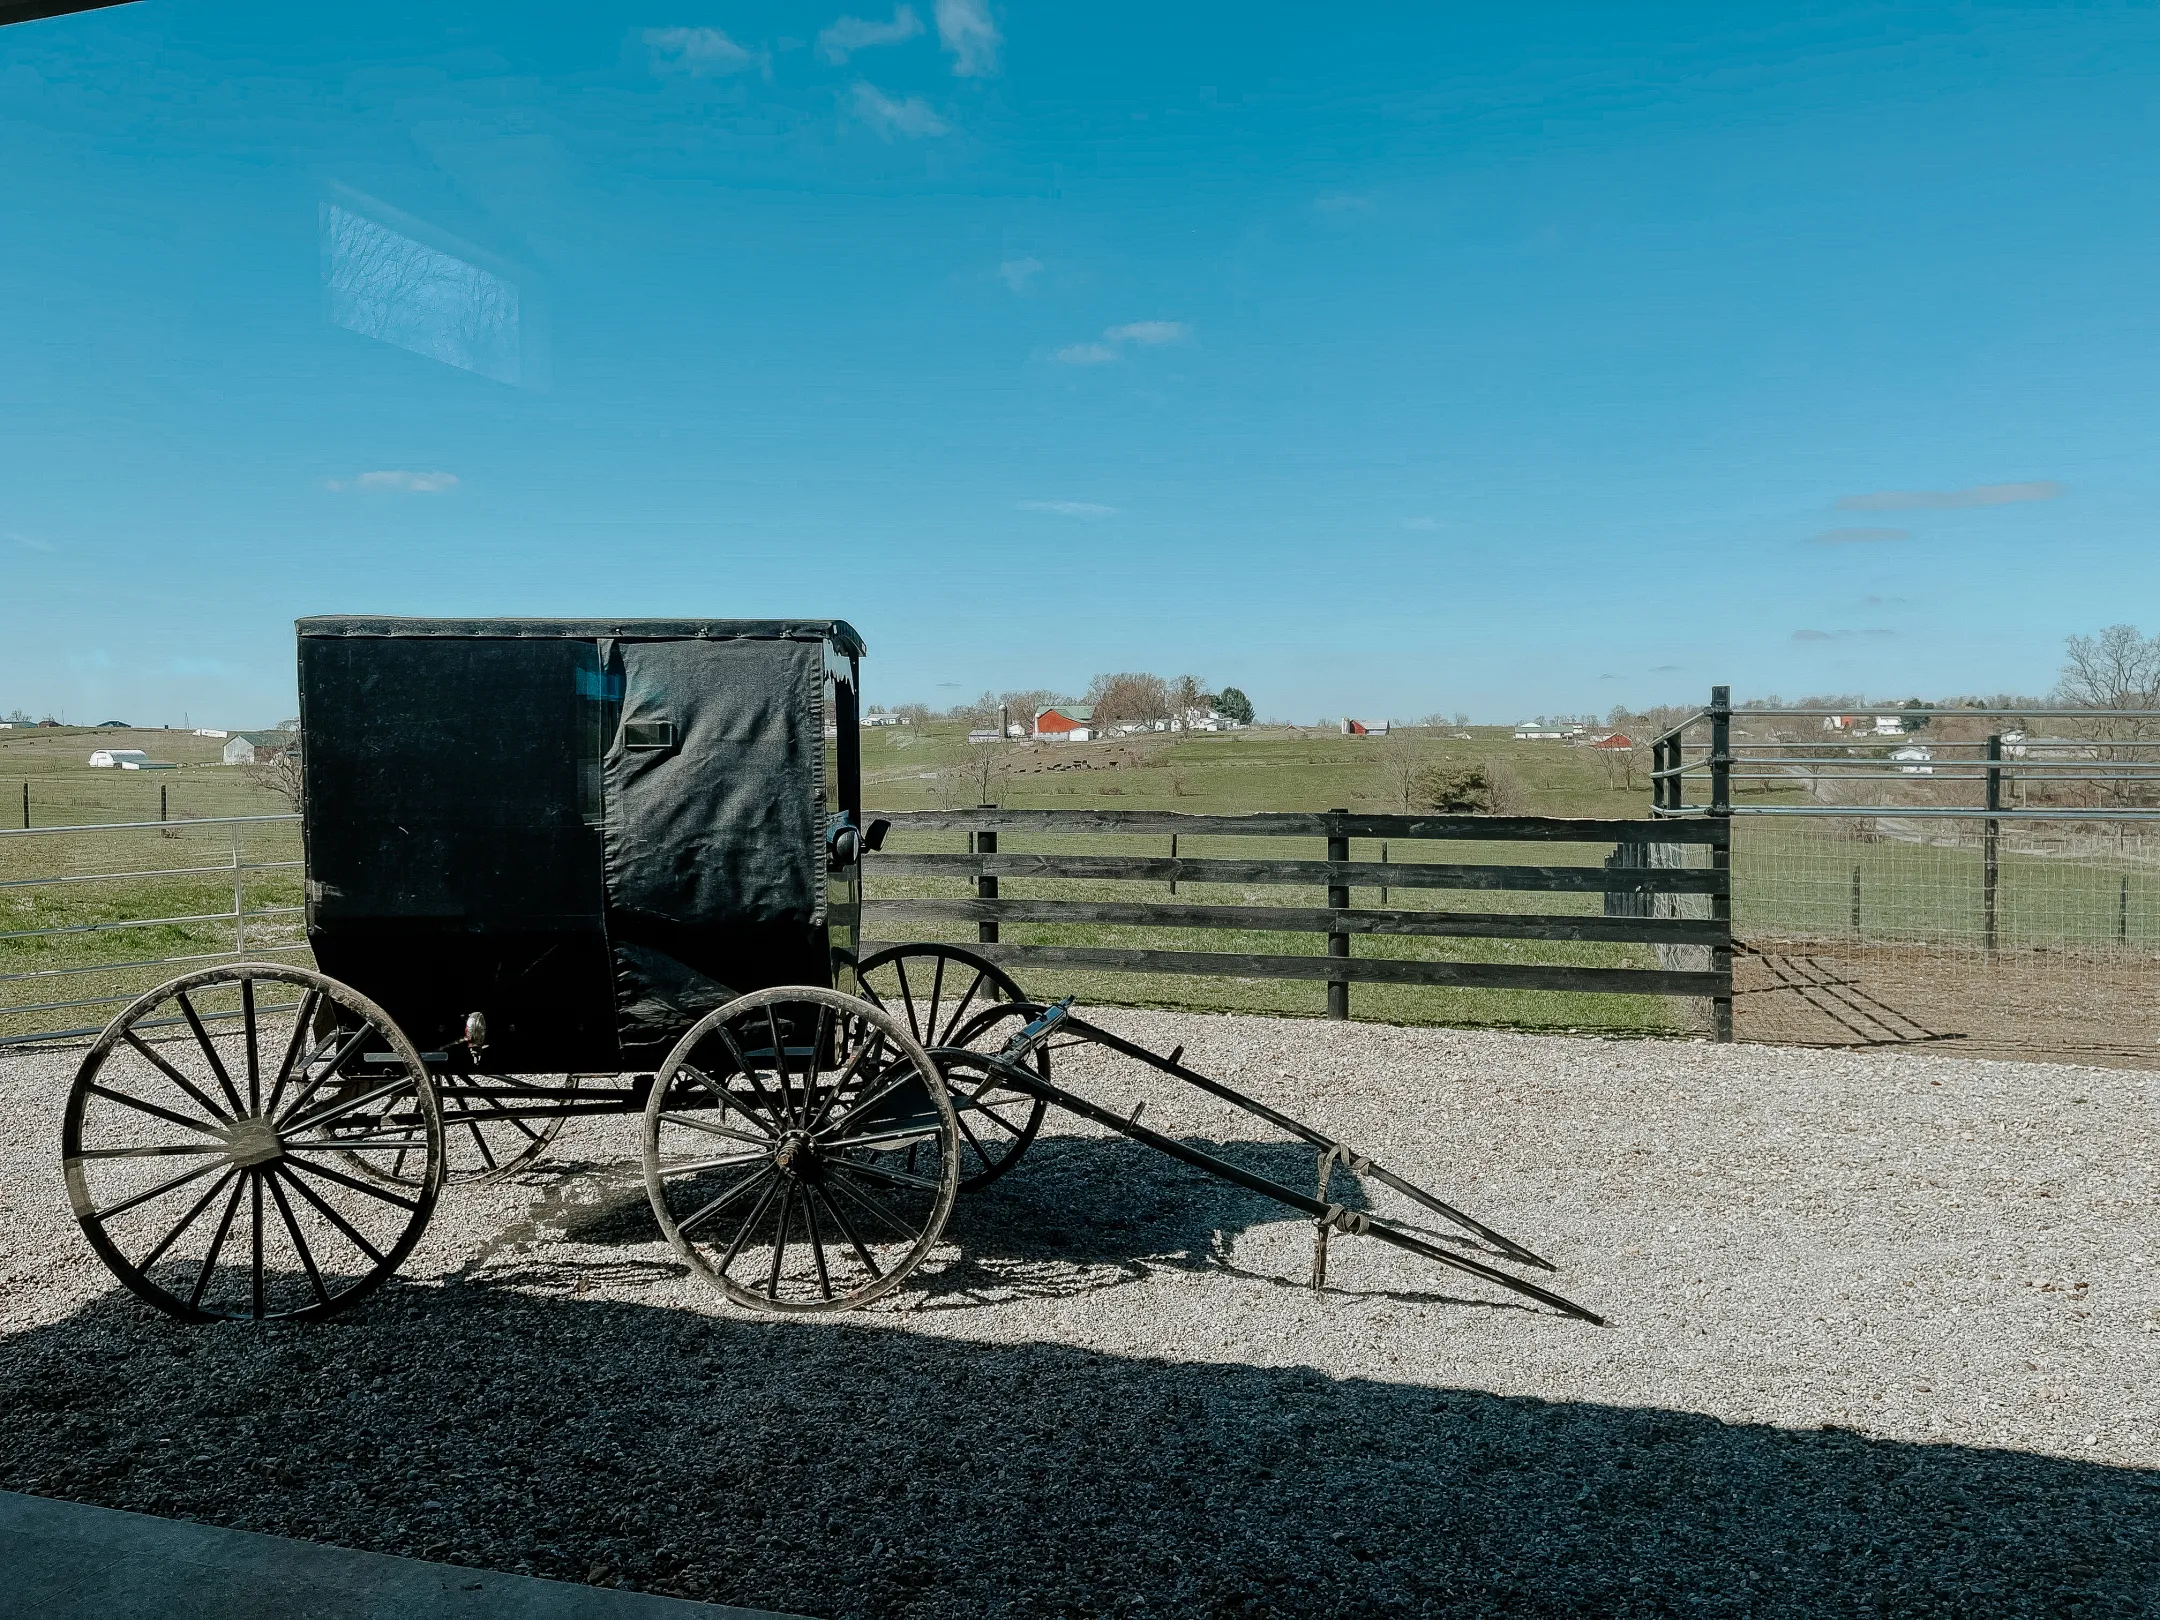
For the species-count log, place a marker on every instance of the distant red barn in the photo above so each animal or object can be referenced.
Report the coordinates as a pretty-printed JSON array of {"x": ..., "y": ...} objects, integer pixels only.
[{"x": 1618, "y": 740}]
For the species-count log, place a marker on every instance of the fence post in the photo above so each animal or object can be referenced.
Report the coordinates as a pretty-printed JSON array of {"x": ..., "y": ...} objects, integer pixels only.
[
  {"x": 1338, "y": 944},
  {"x": 1173, "y": 856},
  {"x": 161, "y": 801},
  {"x": 26, "y": 806},
  {"x": 2122, "y": 915},
  {"x": 1721, "y": 954},
  {"x": 1856, "y": 900},
  {"x": 986, "y": 886},
  {"x": 1990, "y": 831},
  {"x": 239, "y": 902}
]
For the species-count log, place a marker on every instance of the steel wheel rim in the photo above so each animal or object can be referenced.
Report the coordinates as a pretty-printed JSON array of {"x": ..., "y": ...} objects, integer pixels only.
[
  {"x": 814, "y": 1182},
  {"x": 258, "y": 1218}
]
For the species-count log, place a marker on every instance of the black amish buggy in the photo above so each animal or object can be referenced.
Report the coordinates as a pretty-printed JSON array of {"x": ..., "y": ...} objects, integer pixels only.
[{"x": 560, "y": 867}]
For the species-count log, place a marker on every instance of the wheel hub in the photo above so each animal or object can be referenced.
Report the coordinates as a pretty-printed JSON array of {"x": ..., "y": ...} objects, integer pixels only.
[
  {"x": 796, "y": 1155},
  {"x": 252, "y": 1142}
]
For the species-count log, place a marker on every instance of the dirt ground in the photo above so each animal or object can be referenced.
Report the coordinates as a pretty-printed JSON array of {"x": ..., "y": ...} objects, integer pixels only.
[{"x": 2026, "y": 1005}]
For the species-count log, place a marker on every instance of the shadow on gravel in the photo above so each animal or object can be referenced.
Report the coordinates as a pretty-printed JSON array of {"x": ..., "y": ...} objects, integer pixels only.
[
  {"x": 850, "y": 1469},
  {"x": 1078, "y": 1214}
]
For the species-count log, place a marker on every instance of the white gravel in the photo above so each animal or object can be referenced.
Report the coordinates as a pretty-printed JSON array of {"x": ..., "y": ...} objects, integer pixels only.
[{"x": 1883, "y": 1336}]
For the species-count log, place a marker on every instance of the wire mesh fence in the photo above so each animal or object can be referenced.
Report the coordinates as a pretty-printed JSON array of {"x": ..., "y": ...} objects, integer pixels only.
[{"x": 1987, "y": 879}]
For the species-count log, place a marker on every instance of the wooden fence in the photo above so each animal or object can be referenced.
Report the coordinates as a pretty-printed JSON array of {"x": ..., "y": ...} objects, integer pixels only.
[{"x": 1640, "y": 881}]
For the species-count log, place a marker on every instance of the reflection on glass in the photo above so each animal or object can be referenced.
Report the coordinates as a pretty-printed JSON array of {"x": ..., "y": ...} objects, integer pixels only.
[{"x": 386, "y": 285}]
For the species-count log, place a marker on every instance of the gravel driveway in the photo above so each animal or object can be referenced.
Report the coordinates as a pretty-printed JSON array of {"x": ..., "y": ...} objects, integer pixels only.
[{"x": 1883, "y": 1339}]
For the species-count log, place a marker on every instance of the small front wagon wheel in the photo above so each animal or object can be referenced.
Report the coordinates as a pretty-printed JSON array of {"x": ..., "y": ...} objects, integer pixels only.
[
  {"x": 801, "y": 1151},
  {"x": 212, "y": 1134}
]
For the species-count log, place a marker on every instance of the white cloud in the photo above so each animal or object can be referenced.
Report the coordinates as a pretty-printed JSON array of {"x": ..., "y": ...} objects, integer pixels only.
[
  {"x": 408, "y": 483},
  {"x": 1149, "y": 332},
  {"x": 33, "y": 543},
  {"x": 1087, "y": 354},
  {"x": 1859, "y": 537},
  {"x": 1909, "y": 500},
  {"x": 1077, "y": 509},
  {"x": 698, "y": 52},
  {"x": 851, "y": 34},
  {"x": 1017, "y": 273},
  {"x": 1421, "y": 523},
  {"x": 964, "y": 28},
  {"x": 912, "y": 117}
]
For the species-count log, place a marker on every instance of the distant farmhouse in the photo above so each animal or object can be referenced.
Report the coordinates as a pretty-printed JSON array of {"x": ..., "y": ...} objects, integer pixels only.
[
  {"x": 111, "y": 759},
  {"x": 1619, "y": 742},
  {"x": 1364, "y": 728},
  {"x": 1546, "y": 731},
  {"x": 259, "y": 747},
  {"x": 1067, "y": 722}
]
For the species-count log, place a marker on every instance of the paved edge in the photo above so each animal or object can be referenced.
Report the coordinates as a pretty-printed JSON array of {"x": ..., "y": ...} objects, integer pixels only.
[{"x": 68, "y": 1561}]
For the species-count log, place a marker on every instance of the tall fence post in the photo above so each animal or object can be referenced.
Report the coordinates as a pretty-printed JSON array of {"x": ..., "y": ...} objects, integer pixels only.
[
  {"x": 1721, "y": 954},
  {"x": 1990, "y": 834},
  {"x": 26, "y": 806},
  {"x": 986, "y": 886},
  {"x": 1338, "y": 944}
]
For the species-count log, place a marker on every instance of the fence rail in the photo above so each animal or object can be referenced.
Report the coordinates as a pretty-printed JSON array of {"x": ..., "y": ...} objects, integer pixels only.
[{"x": 1640, "y": 880}]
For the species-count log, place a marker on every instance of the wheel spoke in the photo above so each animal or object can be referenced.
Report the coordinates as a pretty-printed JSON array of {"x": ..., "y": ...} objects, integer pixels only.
[
  {"x": 254, "y": 1060},
  {"x": 394, "y": 1142},
  {"x": 937, "y": 992},
  {"x": 779, "y": 1248},
  {"x": 711, "y": 1129},
  {"x": 980, "y": 1152},
  {"x": 875, "y": 1206},
  {"x": 847, "y": 1230},
  {"x": 186, "y": 1221},
  {"x": 864, "y": 1104},
  {"x": 341, "y": 1107},
  {"x": 742, "y": 1233},
  {"x": 953, "y": 1022},
  {"x": 726, "y": 1162},
  {"x": 487, "y": 1154},
  {"x": 202, "y": 1278},
  {"x": 352, "y": 1233},
  {"x": 840, "y": 1081},
  {"x": 892, "y": 1138},
  {"x": 907, "y": 1000},
  {"x": 725, "y": 1199},
  {"x": 168, "y": 1150},
  {"x": 255, "y": 1268},
  {"x": 354, "y": 1183},
  {"x": 877, "y": 1172},
  {"x": 301, "y": 1020},
  {"x": 195, "y": 1093},
  {"x": 337, "y": 1061},
  {"x": 292, "y": 1225},
  {"x": 166, "y": 1114},
  {"x": 202, "y": 1039},
  {"x": 159, "y": 1191},
  {"x": 817, "y": 1242},
  {"x": 780, "y": 1068}
]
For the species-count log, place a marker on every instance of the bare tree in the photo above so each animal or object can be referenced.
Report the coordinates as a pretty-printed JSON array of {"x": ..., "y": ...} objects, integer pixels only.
[
  {"x": 283, "y": 777},
  {"x": 1129, "y": 698},
  {"x": 2116, "y": 669},
  {"x": 1404, "y": 768}
]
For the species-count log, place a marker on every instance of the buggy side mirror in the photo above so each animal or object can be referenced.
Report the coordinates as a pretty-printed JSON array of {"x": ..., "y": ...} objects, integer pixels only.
[{"x": 873, "y": 838}]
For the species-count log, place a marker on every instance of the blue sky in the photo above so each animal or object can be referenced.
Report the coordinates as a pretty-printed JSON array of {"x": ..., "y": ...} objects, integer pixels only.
[{"x": 1504, "y": 360}]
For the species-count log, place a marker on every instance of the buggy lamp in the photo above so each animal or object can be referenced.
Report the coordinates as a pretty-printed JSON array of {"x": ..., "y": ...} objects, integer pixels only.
[
  {"x": 847, "y": 843},
  {"x": 1037, "y": 1029},
  {"x": 476, "y": 1033}
]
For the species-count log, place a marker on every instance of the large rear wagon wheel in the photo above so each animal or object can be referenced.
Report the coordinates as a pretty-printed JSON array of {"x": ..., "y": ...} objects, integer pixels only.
[
  {"x": 801, "y": 1150},
  {"x": 953, "y": 999},
  {"x": 210, "y": 1139}
]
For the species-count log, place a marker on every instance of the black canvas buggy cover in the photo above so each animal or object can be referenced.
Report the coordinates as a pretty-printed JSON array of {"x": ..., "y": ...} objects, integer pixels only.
[{"x": 592, "y": 832}]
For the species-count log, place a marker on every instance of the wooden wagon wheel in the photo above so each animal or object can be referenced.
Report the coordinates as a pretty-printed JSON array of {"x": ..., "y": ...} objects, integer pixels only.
[
  {"x": 209, "y": 1138},
  {"x": 801, "y": 1150},
  {"x": 954, "y": 999}
]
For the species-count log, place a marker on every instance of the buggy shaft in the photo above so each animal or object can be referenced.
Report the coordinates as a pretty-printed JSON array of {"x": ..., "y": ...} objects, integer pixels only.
[
  {"x": 1021, "y": 1079},
  {"x": 1319, "y": 1139}
]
